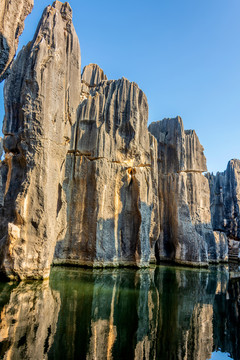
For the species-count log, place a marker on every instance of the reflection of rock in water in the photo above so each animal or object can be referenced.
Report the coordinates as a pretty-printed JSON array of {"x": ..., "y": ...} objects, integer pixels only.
[
  {"x": 124, "y": 316},
  {"x": 199, "y": 338},
  {"x": 28, "y": 322},
  {"x": 185, "y": 312},
  {"x": 162, "y": 313},
  {"x": 227, "y": 320}
]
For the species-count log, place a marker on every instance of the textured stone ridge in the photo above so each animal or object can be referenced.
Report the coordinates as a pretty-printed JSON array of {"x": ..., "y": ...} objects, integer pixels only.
[
  {"x": 111, "y": 180},
  {"x": 42, "y": 94},
  {"x": 225, "y": 199},
  {"x": 92, "y": 75},
  {"x": 185, "y": 219},
  {"x": 12, "y": 16}
]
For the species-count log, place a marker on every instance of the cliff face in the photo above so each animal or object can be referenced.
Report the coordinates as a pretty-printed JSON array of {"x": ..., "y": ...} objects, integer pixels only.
[
  {"x": 185, "y": 219},
  {"x": 84, "y": 181},
  {"x": 110, "y": 180},
  {"x": 225, "y": 199},
  {"x": 12, "y": 16},
  {"x": 41, "y": 98}
]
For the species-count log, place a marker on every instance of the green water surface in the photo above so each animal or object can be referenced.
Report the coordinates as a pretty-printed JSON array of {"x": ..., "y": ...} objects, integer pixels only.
[{"x": 167, "y": 313}]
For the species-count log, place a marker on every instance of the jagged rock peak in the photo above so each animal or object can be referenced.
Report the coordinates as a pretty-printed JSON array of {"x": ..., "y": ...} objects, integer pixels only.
[
  {"x": 64, "y": 8},
  {"x": 92, "y": 75},
  {"x": 42, "y": 95},
  {"x": 179, "y": 150},
  {"x": 12, "y": 16}
]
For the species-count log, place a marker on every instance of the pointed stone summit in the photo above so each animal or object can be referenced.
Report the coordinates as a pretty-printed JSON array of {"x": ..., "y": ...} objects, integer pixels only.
[
  {"x": 92, "y": 75},
  {"x": 185, "y": 218},
  {"x": 111, "y": 182},
  {"x": 42, "y": 94},
  {"x": 12, "y": 16}
]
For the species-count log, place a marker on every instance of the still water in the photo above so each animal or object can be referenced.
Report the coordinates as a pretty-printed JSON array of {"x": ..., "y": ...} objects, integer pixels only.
[{"x": 163, "y": 313}]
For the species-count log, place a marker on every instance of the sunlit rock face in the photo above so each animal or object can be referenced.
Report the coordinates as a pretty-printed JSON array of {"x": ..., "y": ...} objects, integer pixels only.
[
  {"x": 111, "y": 180},
  {"x": 41, "y": 99},
  {"x": 92, "y": 75},
  {"x": 225, "y": 200},
  {"x": 12, "y": 16},
  {"x": 28, "y": 322},
  {"x": 184, "y": 198}
]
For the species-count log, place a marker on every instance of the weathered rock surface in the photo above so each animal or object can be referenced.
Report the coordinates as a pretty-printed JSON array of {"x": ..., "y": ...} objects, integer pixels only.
[
  {"x": 184, "y": 198},
  {"x": 92, "y": 75},
  {"x": 221, "y": 245},
  {"x": 41, "y": 99},
  {"x": 12, "y": 16},
  {"x": 225, "y": 199},
  {"x": 1, "y": 147},
  {"x": 111, "y": 180}
]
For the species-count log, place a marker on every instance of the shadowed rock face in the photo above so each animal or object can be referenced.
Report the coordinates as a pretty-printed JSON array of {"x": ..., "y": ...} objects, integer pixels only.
[
  {"x": 12, "y": 16},
  {"x": 186, "y": 231},
  {"x": 111, "y": 180},
  {"x": 28, "y": 322},
  {"x": 225, "y": 200},
  {"x": 41, "y": 98}
]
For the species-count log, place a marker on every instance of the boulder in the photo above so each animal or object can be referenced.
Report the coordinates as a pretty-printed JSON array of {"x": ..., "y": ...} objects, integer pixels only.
[
  {"x": 12, "y": 17},
  {"x": 42, "y": 94}
]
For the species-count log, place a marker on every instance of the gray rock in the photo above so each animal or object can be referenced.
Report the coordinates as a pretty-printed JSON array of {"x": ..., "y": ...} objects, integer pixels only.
[
  {"x": 12, "y": 16},
  {"x": 92, "y": 75},
  {"x": 42, "y": 94},
  {"x": 221, "y": 246},
  {"x": 111, "y": 181},
  {"x": 184, "y": 199},
  {"x": 225, "y": 199}
]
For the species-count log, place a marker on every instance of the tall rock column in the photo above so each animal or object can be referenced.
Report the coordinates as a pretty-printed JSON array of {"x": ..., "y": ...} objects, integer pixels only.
[
  {"x": 184, "y": 199},
  {"x": 225, "y": 206},
  {"x": 12, "y": 16},
  {"x": 41, "y": 99},
  {"x": 111, "y": 180}
]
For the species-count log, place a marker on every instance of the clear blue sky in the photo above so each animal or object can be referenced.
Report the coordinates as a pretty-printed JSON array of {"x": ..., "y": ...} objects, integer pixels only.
[{"x": 185, "y": 55}]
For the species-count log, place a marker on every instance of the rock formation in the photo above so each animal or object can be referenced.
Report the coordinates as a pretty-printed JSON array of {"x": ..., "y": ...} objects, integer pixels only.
[
  {"x": 225, "y": 199},
  {"x": 83, "y": 180},
  {"x": 92, "y": 75},
  {"x": 42, "y": 94},
  {"x": 185, "y": 219},
  {"x": 111, "y": 179},
  {"x": 12, "y": 16},
  {"x": 225, "y": 205},
  {"x": 1, "y": 148}
]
